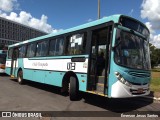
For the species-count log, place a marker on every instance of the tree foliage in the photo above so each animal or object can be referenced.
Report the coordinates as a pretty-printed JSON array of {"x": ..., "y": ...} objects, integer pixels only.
[{"x": 155, "y": 55}]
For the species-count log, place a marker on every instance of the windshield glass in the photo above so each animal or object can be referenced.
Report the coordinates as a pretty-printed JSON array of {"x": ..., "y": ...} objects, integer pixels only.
[
  {"x": 132, "y": 51},
  {"x": 134, "y": 25},
  {"x": 2, "y": 58}
]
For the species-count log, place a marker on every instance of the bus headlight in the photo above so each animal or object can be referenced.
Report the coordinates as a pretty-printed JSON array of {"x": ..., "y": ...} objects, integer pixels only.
[{"x": 122, "y": 80}]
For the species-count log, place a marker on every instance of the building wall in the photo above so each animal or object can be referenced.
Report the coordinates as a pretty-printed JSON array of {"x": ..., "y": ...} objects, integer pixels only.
[{"x": 12, "y": 32}]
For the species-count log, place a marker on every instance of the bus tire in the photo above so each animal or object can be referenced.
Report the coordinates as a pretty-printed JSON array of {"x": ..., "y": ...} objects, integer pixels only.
[
  {"x": 20, "y": 77},
  {"x": 73, "y": 89}
]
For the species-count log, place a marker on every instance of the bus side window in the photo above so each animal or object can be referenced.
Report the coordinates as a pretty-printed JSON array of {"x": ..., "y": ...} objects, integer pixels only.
[
  {"x": 10, "y": 51},
  {"x": 31, "y": 50},
  {"x": 56, "y": 47},
  {"x": 59, "y": 46},
  {"x": 76, "y": 44},
  {"x": 15, "y": 53},
  {"x": 22, "y": 51},
  {"x": 42, "y": 48},
  {"x": 52, "y": 46}
]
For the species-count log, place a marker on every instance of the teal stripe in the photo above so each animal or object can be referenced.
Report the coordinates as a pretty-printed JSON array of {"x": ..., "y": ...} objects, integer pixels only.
[{"x": 58, "y": 57}]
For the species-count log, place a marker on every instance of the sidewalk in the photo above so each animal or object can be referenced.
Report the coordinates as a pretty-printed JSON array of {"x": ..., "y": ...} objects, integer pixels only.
[{"x": 154, "y": 96}]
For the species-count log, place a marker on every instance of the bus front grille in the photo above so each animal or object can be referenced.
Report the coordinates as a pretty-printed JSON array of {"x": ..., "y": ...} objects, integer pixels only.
[
  {"x": 139, "y": 74},
  {"x": 138, "y": 83}
]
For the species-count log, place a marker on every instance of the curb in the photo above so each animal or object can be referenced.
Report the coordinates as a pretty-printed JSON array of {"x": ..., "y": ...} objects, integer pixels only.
[{"x": 153, "y": 98}]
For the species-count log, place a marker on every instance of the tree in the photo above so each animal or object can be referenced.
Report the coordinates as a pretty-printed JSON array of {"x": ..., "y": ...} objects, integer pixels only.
[{"x": 155, "y": 55}]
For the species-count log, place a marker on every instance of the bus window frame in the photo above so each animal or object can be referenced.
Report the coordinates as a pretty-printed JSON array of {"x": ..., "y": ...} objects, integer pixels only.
[
  {"x": 85, "y": 36},
  {"x": 24, "y": 52},
  {"x": 10, "y": 57},
  {"x": 55, "y": 38},
  {"x": 35, "y": 42},
  {"x": 40, "y": 41}
]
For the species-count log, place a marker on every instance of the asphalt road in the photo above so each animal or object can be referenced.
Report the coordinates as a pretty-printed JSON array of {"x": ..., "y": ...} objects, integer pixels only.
[{"x": 39, "y": 97}]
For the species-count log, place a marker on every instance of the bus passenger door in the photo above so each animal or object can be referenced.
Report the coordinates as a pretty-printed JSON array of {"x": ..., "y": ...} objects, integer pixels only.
[
  {"x": 99, "y": 60},
  {"x": 14, "y": 62}
]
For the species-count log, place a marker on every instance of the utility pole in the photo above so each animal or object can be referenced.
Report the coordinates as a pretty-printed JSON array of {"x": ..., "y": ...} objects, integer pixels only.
[{"x": 98, "y": 9}]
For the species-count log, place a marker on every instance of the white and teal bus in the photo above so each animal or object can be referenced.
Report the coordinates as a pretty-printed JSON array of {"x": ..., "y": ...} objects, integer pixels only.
[{"x": 108, "y": 57}]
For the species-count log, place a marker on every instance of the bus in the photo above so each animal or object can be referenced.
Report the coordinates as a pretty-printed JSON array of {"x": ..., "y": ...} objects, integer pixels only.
[
  {"x": 3, "y": 54},
  {"x": 109, "y": 57}
]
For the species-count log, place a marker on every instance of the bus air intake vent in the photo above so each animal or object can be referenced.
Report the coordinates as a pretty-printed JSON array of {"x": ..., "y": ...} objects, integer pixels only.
[{"x": 139, "y": 74}]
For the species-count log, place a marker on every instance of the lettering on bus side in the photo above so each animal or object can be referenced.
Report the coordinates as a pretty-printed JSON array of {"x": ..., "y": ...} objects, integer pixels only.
[{"x": 71, "y": 66}]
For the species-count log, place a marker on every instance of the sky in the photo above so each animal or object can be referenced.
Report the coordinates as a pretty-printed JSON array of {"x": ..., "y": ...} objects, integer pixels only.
[{"x": 55, "y": 15}]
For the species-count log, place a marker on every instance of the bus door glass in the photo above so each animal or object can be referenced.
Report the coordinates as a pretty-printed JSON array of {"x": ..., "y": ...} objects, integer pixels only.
[
  {"x": 99, "y": 60},
  {"x": 14, "y": 61}
]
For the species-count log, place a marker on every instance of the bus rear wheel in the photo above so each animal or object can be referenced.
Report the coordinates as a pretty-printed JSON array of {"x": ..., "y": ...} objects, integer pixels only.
[
  {"x": 73, "y": 88},
  {"x": 20, "y": 77}
]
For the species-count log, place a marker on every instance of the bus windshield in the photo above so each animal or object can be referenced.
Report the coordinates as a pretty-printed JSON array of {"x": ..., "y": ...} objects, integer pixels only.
[
  {"x": 2, "y": 58},
  {"x": 132, "y": 51},
  {"x": 134, "y": 25}
]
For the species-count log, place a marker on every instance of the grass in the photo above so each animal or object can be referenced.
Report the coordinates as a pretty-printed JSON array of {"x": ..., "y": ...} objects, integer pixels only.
[
  {"x": 155, "y": 81},
  {"x": 155, "y": 85},
  {"x": 156, "y": 70}
]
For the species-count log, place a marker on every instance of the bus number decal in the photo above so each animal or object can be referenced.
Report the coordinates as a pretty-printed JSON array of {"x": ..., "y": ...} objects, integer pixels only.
[{"x": 71, "y": 66}]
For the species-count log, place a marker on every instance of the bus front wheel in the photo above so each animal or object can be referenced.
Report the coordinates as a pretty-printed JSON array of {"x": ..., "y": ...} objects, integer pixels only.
[
  {"x": 73, "y": 88},
  {"x": 20, "y": 77}
]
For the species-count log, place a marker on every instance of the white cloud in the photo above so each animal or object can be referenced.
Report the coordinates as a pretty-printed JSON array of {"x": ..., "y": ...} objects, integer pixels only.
[
  {"x": 8, "y": 5},
  {"x": 155, "y": 40},
  {"x": 27, "y": 19},
  {"x": 149, "y": 26},
  {"x": 6, "y": 11},
  {"x": 150, "y": 10},
  {"x": 41, "y": 24}
]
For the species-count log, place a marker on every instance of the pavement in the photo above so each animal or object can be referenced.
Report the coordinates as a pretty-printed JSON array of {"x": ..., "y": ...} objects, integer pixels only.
[{"x": 153, "y": 95}]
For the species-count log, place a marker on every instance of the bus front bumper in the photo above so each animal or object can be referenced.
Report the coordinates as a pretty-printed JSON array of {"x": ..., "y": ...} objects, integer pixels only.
[{"x": 120, "y": 90}]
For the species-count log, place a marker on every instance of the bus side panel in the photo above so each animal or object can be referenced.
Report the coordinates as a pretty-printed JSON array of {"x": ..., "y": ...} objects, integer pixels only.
[
  {"x": 34, "y": 75},
  {"x": 38, "y": 75},
  {"x": 82, "y": 78},
  {"x": 28, "y": 74},
  {"x": 8, "y": 66},
  {"x": 54, "y": 78},
  {"x": 7, "y": 70},
  {"x": 19, "y": 66}
]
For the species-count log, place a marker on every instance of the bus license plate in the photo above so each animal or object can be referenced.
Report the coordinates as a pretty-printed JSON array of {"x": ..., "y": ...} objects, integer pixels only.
[{"x": 140, "y": 90}]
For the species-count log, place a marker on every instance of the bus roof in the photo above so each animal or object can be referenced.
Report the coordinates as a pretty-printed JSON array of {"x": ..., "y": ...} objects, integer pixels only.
[{"x": 114, "y": 18}]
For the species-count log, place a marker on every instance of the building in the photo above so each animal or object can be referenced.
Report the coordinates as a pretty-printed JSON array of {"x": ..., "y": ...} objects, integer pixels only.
[{"x": 12, "y": 32}]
